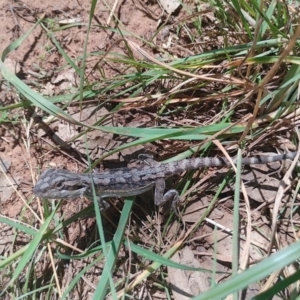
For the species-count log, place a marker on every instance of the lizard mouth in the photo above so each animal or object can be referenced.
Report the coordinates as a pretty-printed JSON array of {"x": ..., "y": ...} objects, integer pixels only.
[{"x": 60, "y": 194}]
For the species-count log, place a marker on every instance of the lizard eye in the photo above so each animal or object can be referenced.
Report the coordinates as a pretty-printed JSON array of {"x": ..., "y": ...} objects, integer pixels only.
[{"x": 59, "y": 185}]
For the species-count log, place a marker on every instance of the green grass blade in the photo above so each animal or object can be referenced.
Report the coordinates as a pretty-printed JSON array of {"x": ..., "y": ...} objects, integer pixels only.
[
  {"x": 31, "y": 249},
  {"x": 101, "y": 290},
  {"x": 253, "y": 274}
]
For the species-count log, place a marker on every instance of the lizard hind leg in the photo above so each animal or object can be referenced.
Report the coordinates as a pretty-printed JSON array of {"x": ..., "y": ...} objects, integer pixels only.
[
  {"x": 160, "y": 197},
  {"x": 173, "y": 197}
]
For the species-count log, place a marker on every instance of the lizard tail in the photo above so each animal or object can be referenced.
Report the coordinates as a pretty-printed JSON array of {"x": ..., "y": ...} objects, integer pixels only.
[{"x": 196, "y": 163}]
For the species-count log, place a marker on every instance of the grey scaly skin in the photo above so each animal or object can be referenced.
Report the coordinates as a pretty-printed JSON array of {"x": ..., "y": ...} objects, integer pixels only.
[{"x": 122, "y": 182}]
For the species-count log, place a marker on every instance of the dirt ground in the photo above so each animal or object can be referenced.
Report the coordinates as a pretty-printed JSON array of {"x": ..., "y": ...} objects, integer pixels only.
[{"x": 25, "y": 153}]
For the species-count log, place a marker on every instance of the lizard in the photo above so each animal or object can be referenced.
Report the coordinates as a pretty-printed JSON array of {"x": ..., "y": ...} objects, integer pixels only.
[{"x": 132, "y": 181}]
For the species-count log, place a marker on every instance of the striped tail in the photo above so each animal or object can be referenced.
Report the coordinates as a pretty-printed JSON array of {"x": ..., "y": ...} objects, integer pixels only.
[{"x": 180, "y": 166}]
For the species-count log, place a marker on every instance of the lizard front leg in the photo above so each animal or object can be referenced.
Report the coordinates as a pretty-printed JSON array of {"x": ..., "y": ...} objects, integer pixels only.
[
  {"x": 103, "y": 205},
  {"x": 170, "y": 196}
]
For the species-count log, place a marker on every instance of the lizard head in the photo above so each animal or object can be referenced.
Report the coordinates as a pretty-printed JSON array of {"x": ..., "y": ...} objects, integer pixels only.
[{"x": 60, "y": 184}]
